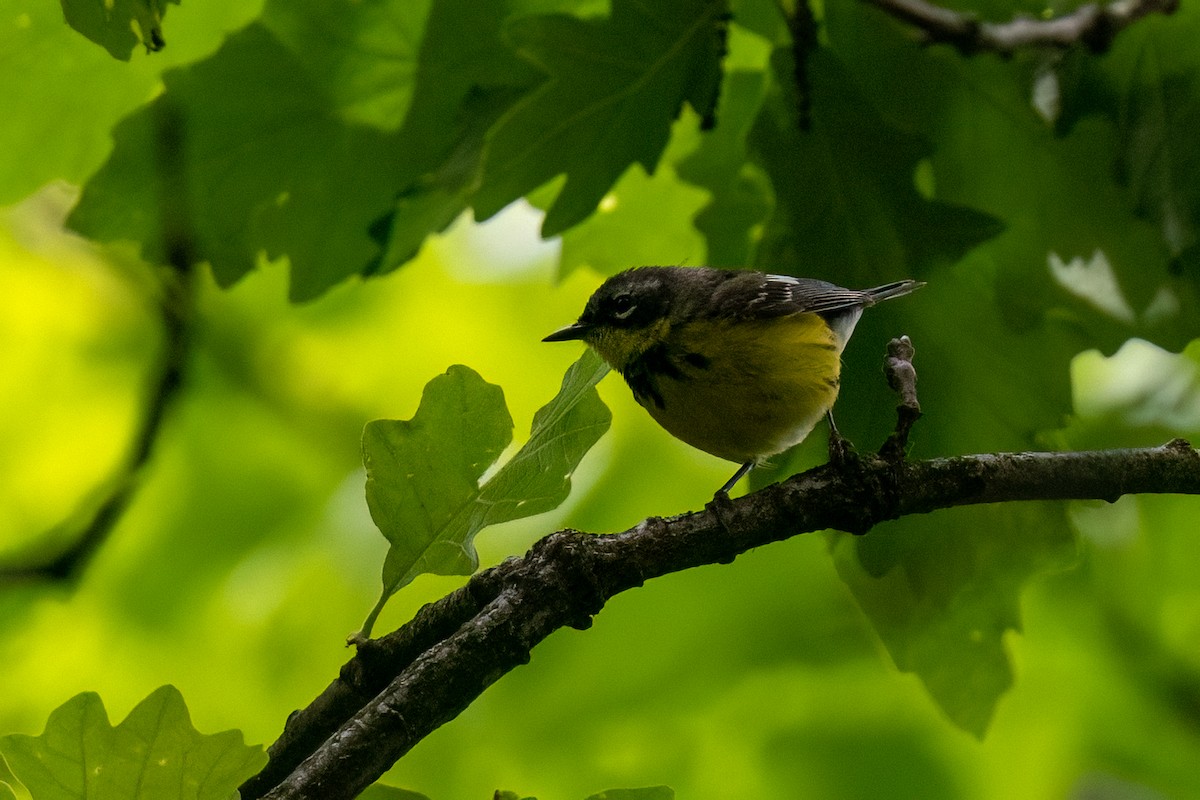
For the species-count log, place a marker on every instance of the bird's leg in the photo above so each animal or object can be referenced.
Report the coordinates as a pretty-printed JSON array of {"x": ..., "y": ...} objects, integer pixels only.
[
  {"x": 723, "y": 492},
  {"x": 720, "y": 505},
  {"x": 840, "y": 449}
]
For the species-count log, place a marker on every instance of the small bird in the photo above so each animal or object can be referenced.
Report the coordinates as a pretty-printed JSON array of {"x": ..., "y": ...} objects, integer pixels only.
[{"x": 736, "y": 363}]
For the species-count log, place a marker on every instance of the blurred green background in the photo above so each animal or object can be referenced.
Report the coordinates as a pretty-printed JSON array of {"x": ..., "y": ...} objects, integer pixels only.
[{"x": 247, "y": 554}]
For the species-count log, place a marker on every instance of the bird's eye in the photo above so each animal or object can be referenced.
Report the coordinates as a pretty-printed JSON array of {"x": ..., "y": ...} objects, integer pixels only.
[{"x": 623, "y": 306}]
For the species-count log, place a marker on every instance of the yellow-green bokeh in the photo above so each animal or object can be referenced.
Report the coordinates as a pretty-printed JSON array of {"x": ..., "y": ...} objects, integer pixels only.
[{"x": 247, "y": 555}]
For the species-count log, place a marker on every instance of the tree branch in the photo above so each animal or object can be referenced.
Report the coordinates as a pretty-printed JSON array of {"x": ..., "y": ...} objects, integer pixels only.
[
  {"x": 401, "y": 687},
  {"x": 175, "y": 308},
  {"x": 1093, "y": 25}
]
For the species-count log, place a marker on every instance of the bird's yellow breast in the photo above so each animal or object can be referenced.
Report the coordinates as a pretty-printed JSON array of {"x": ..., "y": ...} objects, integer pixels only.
[{"x": 741, "y": 390}]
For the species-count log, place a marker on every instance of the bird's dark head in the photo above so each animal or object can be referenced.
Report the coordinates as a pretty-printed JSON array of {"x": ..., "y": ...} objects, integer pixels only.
[{"x": 627, "y": 315}]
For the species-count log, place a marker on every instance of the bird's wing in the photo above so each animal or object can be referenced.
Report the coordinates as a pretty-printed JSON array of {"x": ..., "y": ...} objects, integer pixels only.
[{"x": 780, "y": 295}]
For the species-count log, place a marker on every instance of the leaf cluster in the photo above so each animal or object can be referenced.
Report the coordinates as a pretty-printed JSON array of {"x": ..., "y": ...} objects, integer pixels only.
[{"x": 1048, "y": 197}]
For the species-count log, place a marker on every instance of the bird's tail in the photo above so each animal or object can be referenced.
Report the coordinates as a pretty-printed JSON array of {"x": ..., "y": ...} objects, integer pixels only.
[{"x": 890, "y": 290}]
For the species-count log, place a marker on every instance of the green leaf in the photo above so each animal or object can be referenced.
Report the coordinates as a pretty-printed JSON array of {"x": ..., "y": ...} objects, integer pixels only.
[
  {"x": 466, "y": 79},
  {"x": 846, "y": 202},
  {"x": 296, "y": 138},
  {"x": 538, "y": 478},
  {"x": 741, "y": 193},
  {"x": 994, "y": 332},
  {"x": 423, "y": 474},
  {"x": 1050, "y": 252},
  {"x": 1147, "y": 87},
  {"x": 378, "y": 791},
  {"x": 246, "y": 166},
  {"x": 942, "y": 596},
  {"x": 992, "y": 151},
  {"x": 615, "y": 86},
  {"x": 371, "y": 82},
  {"x": 154, "y": 754},
  {"x": 648, "y": 793},
  {"x": 1158, "y": 161},
  {"x": 616, "y": 236},
  {"x": 74, "y": 80},
  {"x": 7, "y": 780},
  {"x": 111, "y": 24},
  {"x": 943, "y": 590},
  {"x": 435, "y": 199},
  {"x": 504, "y": 794}
]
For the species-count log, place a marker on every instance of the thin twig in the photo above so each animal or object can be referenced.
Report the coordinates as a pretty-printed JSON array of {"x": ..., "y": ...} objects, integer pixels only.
[
  {"x": 902, "y": 377},
  {"x": 1093, "y": 26}
]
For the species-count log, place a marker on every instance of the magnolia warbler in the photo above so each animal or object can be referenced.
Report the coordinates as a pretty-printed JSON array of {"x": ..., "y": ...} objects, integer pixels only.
[{"x": 739, "y": 364}]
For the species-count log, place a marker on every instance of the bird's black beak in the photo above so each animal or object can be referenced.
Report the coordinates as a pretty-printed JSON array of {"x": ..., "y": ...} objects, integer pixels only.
[{"x": 578, "y": 330}]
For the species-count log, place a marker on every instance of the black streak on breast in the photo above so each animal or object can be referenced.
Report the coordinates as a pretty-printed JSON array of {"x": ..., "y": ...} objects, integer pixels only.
[{"x": 643, "y": 372}]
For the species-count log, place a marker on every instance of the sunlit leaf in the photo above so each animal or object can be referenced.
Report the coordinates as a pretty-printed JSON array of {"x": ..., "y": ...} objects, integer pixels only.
[
  {"x": 538, "y": 477},
  {"x": 75, "y": 80},
  {"x": 423, "y": 474},
  {"x": 154, "y": 754},
  {"x": 371, "y": 82},
  {"x": 7, "y": 780}
]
